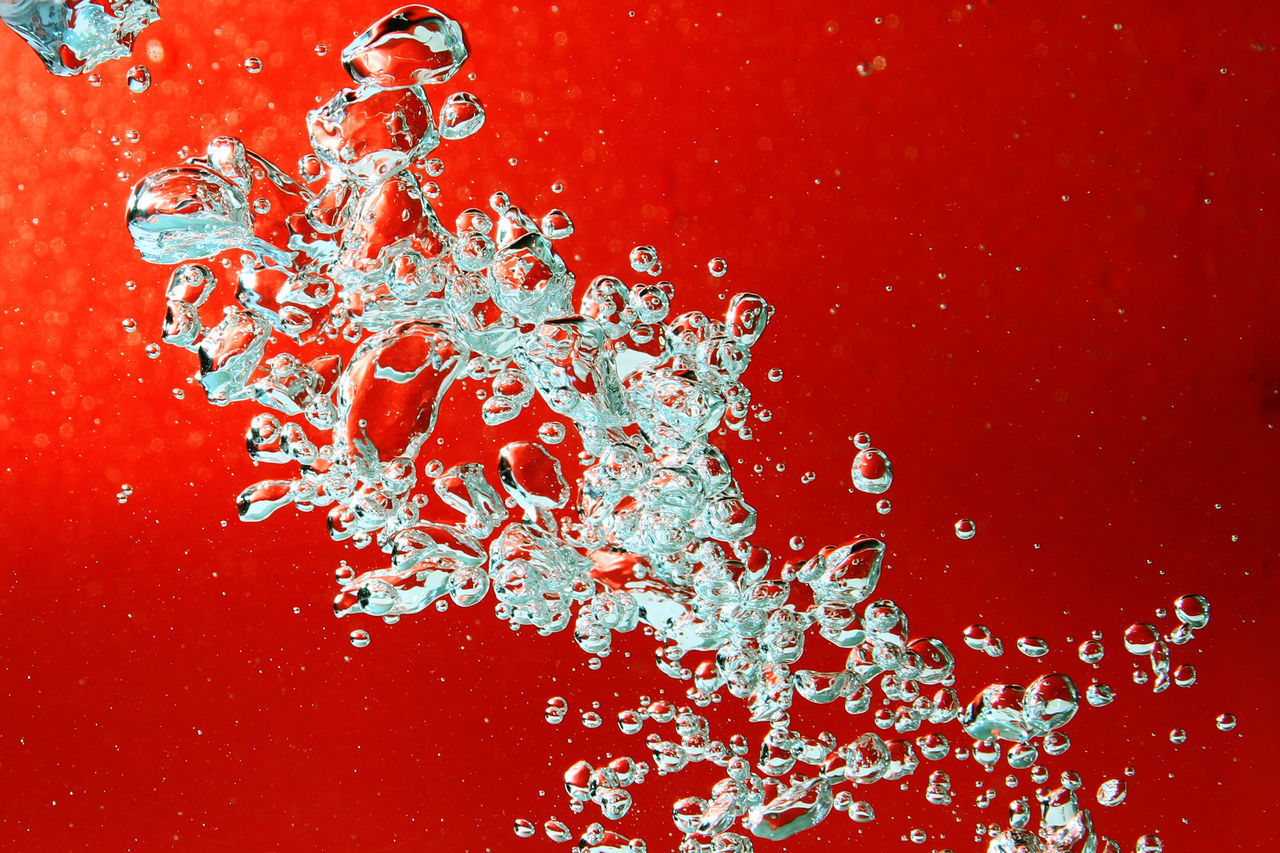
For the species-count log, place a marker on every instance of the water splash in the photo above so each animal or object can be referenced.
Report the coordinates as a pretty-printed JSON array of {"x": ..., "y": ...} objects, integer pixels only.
[
  {"x": 352, "y": 315},
  {"x": 75, "y": 36}
]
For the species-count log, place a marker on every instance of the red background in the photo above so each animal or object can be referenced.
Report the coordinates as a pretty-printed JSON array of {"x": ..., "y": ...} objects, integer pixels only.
[{"x": 1073, "y": 206}]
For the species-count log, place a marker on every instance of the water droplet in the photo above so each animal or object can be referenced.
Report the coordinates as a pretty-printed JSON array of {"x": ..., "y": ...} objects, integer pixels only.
[
  {"x": 591, "y": 720},
  {"x": 253, "y": 64},
  {"x": 883, "y": 506},
  {"x": 138, "y": 78},
  {"x": 153, "y": 350},
  {"x": 862, "y": 441},
  {"x": 556, "y": 225},
  {"x": 551, "y": 432},
  {"x": 1112, "y": 792},
  {"x": 1184, "y": 675},
  {"x": 556, "y": 710},
  {"x": 717, "y": 267},
  {"x": 1225, "y": 722},
  {"x": 1033, "y": 647},
  {"x": 321, "y": 49},
  {"x": 524, "y": 828},
  {"x": 872, "y": 472},
  {"x": 360, "y": 638},
  {"x": 775, "y": 374},
  {"x": 796, "y": 543},
  {"x": 643, "y": 258},
  {"x": 1178, "y": 736},
  {"x": 95, "y": 79},
  {"x": 965, "y": 528},
  {"x": 1091, "y": 651},
  {"x": 129, "y": 324},
  {"x": 808, "y": 477},
  {"x": 1099, "y": 695}
]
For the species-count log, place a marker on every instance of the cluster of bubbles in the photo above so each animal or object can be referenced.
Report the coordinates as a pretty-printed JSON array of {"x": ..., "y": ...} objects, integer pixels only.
[
  {"x": 355, "y": 312},
  {"x": 74, "y": 36}
]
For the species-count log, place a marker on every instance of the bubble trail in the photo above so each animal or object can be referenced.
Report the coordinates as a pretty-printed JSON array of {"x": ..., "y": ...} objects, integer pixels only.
[{"x": 353, "y": 313}]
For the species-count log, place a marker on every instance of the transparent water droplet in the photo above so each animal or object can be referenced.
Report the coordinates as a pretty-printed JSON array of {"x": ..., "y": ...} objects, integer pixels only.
[
  {"x": 1033, "y": 647},
  {"x": 252, "y": 64},
  {"x": 129, "y": 324},
  {"x": 1112, "y": 792},
  {"x": 872, "y": 473},
  {"x": 524, "y": 828},
  {"x": 1225, "y": 722},
  {"x": 965, "y": 528},
  {"x": 1091, "y": 651},
  {"x": 883, "y": 506},
  {"x": 138, "y": 79},
  {"x": 360, "y": 638},
  {"x": 643, "y": 258},
  {"x": 1099, "y": 695},
  {"x": 717, "y": 267},
  {"x": 775, "y": 374},
  {"x": 153, "y": 350},
  {"x": 556, "y": 710},
  {"x": 1178, "y": 736},
  {"x": 796, "y": 543},
  {"x": 591, "y": 720}
]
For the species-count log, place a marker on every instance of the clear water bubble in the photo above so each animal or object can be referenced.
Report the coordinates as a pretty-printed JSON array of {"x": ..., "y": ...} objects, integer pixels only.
[
  {"x": 1192, "y": 611},
  {"x": 775, "y": 374},
  {"x": 1140, "y": 638},
  {"x": 1033, "y": 647},
  {"x": 591, "y": 720},
  {"x": 253, "y": 64},
  {"x": 461, "y": 115},
  {"x": 872, "y": 473},
  {"x": 1225, "y": 722},
  {"x": 862, "y": 812},
  {"x": 556, "y": 710},
  {"x": 965, "y": 528},
  {"x": 717, "y": 267},
  {"x": 551, "y": 432},
  {"x": 524, "y": 828},
  {"x": 557, "y": 831},
  {"x": 1112, "y": 792},
  {"x": 1149, "y": 844},
  {"x": 1184, "y": 675},
  {"x": 1099, "y": 695},
  {"x": 1091, "y": 651},
  {"x": 360, "y": 638},
  {"x": 643, "y": 258},
  {"x": 556, "y": 225},
  {"x": 138, "y": 78},
  {"x": 883, "y": 506},
  {"x": 1178, "y": 736}
]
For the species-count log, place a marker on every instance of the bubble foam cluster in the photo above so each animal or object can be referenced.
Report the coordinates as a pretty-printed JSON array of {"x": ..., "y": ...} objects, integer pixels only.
[{"x": 342, "y": 304}]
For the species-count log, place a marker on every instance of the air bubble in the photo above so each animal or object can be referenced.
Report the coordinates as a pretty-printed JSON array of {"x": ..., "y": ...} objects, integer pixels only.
[
  {"x": 360, "y": 638},
  {"x": 138, "y": 79},
  {"x": 965, "y": 528},
  {"x": 253, "y": 64},
  {"x": 883, "y": 506},
  {"x": 872, "y": 472},
  {"x": 717, "y": 267},
  {"x": 1225, "y": 722}
]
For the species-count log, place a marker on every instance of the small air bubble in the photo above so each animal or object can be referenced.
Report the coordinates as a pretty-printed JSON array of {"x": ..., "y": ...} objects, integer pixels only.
[
  {"x": 360, "y": 638},
  {"x": 965, "y": 528},
  {"x": 253, "y": 64},
  {"x": 797, "y": 543},
  {"x": 138, "y": 78},
  {"x": 717, "y": 267}
]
